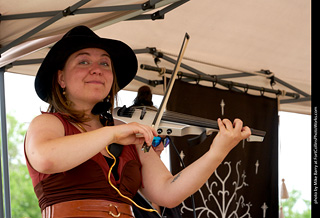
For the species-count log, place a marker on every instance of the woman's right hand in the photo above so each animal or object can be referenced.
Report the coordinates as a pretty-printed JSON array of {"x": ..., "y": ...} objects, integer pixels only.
[
  {"x": 50, "y": 151},
  {"x": 133, "y": 133}
]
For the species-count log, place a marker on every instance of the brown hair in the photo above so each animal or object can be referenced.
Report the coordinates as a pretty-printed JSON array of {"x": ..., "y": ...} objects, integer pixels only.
[{"x": 144, "y": 97}]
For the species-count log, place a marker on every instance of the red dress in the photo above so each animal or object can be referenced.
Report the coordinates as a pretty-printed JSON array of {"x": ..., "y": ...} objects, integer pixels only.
[{"x": 89, "y": 180}]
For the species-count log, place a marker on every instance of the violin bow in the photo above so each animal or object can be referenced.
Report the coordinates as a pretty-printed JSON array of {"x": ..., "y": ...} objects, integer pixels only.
[{"x": 159, "y": 114}]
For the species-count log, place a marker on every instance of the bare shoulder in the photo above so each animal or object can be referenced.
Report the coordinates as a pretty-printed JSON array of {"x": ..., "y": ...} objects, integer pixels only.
[
  {"x": 45, "y": 119},
  {"x": 46, "y": 123}
]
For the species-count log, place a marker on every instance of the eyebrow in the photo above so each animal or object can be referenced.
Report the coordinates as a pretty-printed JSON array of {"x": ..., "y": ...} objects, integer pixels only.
[{"x": 87, "y": 53}]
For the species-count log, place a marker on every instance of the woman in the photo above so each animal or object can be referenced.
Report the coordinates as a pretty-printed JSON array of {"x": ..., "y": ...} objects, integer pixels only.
[
  {"x": 67, "y": 147},
  {"x": 144, "y": 97}
]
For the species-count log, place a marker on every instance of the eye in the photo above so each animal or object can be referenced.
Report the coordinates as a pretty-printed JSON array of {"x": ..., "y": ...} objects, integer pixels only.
[
  {"x": 84, "y": 62},
  {"x": 104, "y": 63}
]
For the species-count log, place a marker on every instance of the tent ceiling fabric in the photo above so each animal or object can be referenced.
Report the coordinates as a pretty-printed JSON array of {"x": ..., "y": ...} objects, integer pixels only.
[
  {"x": 226, "y": 37},
  {"x": 15, "y": 28}
]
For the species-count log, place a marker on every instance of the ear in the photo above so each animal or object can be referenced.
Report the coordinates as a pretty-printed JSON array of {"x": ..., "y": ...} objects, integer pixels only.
[{"x": 61, "y": 79}]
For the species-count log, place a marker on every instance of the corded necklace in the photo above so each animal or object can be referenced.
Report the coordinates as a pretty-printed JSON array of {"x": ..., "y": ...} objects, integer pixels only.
[{"x": 81, "y": 127}]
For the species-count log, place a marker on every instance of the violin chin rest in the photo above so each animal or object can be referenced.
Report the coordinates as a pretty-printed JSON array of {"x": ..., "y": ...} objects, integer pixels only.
[
  {"x": 115, "y": 149},
  {"x": 101, "y": 107}
]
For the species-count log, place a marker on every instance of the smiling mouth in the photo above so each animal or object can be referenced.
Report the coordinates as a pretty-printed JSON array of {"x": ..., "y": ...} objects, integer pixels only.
[{"x": 95, "y": 82}]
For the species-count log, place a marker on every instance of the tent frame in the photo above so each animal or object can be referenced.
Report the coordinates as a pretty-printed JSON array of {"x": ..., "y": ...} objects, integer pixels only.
[
  {"x": 219, "y": 79},
  {"x": 142, "y": 8},
  {"x": 75, "y": 9},
  {"x": 5, "y": 209},
  {"x": 5, "y": 196},
  {"x": 201, "y": 76}
]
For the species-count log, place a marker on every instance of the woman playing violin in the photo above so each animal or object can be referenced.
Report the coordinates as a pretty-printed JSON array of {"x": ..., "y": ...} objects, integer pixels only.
[{"x": 67, "y": 147}]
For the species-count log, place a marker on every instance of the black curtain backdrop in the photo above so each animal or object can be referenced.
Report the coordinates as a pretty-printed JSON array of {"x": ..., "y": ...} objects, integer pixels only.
[{"x": 246, "y": 182}]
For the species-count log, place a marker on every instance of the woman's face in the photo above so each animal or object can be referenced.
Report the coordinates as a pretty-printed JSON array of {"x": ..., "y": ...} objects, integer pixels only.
[{"x": 87, "y": 76}]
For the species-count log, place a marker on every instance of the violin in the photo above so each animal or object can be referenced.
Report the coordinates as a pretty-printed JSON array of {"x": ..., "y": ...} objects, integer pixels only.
[{"x": 174, "y": 123}]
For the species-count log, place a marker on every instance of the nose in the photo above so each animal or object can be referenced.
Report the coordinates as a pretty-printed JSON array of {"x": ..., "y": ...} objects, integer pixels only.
[{"x": 95, "y": 69}]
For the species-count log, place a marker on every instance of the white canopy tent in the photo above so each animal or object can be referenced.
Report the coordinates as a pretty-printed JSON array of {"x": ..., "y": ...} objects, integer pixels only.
[
  {"x": 239, "y": 38},
  {"x": 262, "y": 47}
]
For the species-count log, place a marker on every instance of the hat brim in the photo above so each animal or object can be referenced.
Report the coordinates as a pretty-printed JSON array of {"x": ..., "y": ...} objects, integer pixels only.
[{"x": 123, "y": 58}]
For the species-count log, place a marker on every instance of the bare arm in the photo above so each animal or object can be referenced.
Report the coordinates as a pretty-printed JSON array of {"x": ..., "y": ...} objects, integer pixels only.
[
  {"x": 158, "y": 180},
  {"x": 49, "y": 151}
]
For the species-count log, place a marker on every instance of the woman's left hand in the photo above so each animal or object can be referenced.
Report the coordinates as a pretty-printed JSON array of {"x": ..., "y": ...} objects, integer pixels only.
[{"x": 230, "y": 134}]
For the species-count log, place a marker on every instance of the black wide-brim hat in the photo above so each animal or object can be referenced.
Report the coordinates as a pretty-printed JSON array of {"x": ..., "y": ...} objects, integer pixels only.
[{"x": 123, "y": 58}]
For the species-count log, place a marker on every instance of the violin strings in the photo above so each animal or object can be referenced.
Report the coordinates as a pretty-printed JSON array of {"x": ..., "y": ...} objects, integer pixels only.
[
  {"x": 189, "y": 119},
  {"x": 180, "y": 117}
]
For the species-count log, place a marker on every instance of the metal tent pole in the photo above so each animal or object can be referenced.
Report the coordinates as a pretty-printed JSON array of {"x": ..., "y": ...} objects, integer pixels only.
[
  {"x": 4, "y": 153},
  {"x": 215, "y": 79},
  {"x": 55, "y": 18}
]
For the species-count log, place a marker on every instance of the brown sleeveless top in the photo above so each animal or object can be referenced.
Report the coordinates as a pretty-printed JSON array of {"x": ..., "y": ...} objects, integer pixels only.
[{"x": 89, "y": 180}]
